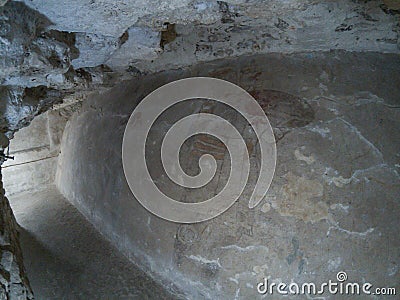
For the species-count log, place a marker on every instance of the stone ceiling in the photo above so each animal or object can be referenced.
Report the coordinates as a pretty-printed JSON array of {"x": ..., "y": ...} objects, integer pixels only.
[{"x": 55, "y": 50}]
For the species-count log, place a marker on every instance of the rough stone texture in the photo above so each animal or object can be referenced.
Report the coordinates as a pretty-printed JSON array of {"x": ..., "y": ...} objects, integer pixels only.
[
  {"x": 53, "y": 49},
  {"x": 53, "y": 52},
  {"x": 333, "y": 202},
  {"x": 13, "y": 281},
  {"x": 62, "y": 47},
  {"x": 36, "y": 70}
]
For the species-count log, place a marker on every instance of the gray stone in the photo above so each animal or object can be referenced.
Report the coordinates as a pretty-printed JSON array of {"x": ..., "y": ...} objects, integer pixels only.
[
  {"x": 58, "y": 53},
  {"x": 332, "y": 203},
  {"x": 13, "y": 281}
]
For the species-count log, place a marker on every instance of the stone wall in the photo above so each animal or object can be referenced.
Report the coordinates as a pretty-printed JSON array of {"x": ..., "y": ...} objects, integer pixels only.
[
  {"x": 57, "y": 51},
  {"x": 335, "y": 117},
  {"x": 61, "y": 51},
  {"x": 35, "y": 149},
  {"x": 13, "y": 281}
]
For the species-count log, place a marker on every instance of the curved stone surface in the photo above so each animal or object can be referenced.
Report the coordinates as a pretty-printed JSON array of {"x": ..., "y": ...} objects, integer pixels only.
[
  {"x": 60, "y": 51},
  {"x": 333, "y": 201}
]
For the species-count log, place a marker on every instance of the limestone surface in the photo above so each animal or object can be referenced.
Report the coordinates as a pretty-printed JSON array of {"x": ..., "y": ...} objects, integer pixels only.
[{"x": 57, "y": 53}]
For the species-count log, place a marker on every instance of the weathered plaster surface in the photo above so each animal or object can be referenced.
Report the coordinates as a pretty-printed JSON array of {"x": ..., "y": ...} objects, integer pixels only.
[
  {"x": 333, "y": 201},
  {"x": 58, "y": 52}
]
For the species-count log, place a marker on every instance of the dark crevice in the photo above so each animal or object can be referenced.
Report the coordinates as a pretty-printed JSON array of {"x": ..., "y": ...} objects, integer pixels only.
[{"x": 168, "y": 35}]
